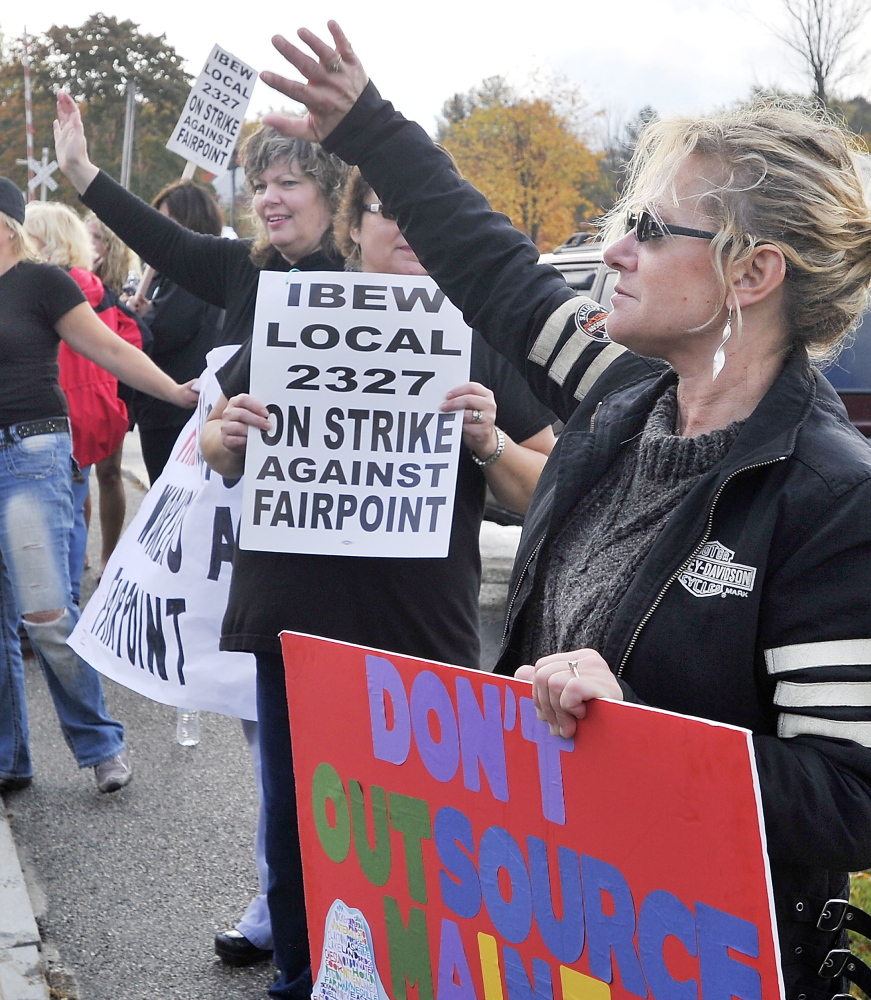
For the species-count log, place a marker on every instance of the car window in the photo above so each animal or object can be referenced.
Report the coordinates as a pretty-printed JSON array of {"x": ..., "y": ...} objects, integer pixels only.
[
  {"x": 581, "y": 278},
  {"x": 852, "y": 369},
  {"x": 608, "y": 289}
]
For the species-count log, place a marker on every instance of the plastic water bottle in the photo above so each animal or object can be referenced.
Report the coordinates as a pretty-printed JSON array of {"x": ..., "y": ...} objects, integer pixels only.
[{"x": 187, "y": 728}]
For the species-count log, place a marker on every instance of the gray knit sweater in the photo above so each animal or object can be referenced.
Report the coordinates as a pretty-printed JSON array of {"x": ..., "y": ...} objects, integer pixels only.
[{"x": 594, "y": 555}]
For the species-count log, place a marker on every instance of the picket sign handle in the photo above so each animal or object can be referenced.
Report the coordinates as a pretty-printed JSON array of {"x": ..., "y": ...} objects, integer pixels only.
[{"x": 190, "y": 169}]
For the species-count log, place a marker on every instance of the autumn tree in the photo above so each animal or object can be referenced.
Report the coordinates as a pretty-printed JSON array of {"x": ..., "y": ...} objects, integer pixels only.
[
  {"x": 94, "y": 63},
  {"x": 528, "y": 154}
]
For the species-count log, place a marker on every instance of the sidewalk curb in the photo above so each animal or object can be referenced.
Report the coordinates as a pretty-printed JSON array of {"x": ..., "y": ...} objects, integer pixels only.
[{"x": 21, "y": 970}]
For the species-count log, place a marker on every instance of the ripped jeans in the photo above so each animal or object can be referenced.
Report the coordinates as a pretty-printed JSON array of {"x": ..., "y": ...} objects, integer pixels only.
[{"x": 36, "y": 515}]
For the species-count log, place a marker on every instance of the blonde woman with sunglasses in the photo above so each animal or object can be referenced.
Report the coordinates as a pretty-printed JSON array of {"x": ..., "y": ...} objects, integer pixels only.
[{"x": 700, "y": 539}]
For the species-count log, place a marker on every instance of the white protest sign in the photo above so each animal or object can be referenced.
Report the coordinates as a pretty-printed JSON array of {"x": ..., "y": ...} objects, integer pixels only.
[
  {"x": 154, "y": 622},
  {"x": 359, "y": 460},
  {"x": 208, "y": 128}
]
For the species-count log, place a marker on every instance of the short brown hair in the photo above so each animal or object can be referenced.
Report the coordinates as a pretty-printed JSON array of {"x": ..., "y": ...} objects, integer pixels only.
[
  {"x": 350, "y": 212},
  {"x": 191, "y": 206}
]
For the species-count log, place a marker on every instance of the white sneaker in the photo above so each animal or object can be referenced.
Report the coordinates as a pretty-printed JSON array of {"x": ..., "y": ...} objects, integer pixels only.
[{"x": 113, "y": 774}]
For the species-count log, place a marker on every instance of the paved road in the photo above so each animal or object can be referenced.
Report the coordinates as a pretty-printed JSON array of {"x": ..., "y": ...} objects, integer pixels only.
[{"x": 129, "y": 889}]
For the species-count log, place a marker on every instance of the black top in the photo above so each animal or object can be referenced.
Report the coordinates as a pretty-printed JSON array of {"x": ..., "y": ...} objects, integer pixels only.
[
  {"x": 422, "y": 607},
  {"x": 185, "y": 329},
  {"x": 33, "y": 297},
  {"x": 419, "y": 607},
  {"x": 215, "y": 269},
  {"x": 751, "y": 607}
]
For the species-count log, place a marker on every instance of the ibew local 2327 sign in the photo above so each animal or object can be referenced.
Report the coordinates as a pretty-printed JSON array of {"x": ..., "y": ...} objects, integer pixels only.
[
  {"x": 359, "y": 459},
  {"x": 454, "y": 850}
]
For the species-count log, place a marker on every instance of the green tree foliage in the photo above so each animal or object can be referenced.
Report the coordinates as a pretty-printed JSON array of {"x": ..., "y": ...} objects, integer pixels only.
[
  {"x": 93, "y": 63},
  {"x": 857, "y": 117},
  {"x": 530, "y": 155}
]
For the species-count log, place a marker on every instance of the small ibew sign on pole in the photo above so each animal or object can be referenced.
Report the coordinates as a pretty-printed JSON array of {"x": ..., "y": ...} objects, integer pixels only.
[{"x": 210, "y": 123}]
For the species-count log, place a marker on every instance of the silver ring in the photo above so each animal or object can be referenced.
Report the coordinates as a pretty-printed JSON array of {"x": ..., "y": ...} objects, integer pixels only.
[
  {"x": 477, "y": 416},
  {"x": 573, "y": 666},
  {"x": 335, "y": 65}
]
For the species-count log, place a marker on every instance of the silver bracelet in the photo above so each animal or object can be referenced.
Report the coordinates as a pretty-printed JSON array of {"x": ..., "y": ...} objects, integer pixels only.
[{"x": 497, "y": 454}]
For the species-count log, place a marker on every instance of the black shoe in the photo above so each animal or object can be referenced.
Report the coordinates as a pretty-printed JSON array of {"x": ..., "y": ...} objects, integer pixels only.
[
  {"x": 234, "y": 948},
  {"x": 13, "y": 784}
]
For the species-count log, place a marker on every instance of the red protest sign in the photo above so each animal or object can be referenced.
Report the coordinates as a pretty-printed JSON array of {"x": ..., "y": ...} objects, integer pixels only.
[{"x": 454, "y": 850}]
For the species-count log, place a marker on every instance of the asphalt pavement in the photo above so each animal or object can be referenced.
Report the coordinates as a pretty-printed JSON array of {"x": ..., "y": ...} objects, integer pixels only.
[{"x": 118, "y": 897}]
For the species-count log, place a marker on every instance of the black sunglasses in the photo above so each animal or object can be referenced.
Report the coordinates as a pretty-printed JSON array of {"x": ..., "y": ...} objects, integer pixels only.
[
  {"x": 377, "y": 207},
  {"x": 647, "y": 228}
]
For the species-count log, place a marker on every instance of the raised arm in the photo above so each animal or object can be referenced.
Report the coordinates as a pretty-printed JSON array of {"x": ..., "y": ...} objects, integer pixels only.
[
  {"x": 485, "y": 266},
  {"x": 202, "y": 264}
]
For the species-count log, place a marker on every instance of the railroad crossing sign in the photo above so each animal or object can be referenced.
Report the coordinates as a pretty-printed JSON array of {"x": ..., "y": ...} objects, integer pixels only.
[{"x": 42, "y": 172}]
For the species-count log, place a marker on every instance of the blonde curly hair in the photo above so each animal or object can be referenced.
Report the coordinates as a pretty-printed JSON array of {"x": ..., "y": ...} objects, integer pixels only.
[
  {"x": 22, "y": 247},
  {"x": 63, "y": 235},
  {"x": 779, "y": 173}
]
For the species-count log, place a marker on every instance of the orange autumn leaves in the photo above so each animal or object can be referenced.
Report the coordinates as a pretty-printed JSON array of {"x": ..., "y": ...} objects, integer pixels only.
[{"x": 530, "y": 158}]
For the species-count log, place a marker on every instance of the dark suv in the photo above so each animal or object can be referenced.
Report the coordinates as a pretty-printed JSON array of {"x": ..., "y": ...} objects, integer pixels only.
[{"x": 851, "y": 376}]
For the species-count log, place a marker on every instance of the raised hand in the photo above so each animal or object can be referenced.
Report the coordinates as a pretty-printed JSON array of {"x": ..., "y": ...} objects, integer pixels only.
[
  {"x": 335, "y": 79},
  {"x": 71, "y": 147}
]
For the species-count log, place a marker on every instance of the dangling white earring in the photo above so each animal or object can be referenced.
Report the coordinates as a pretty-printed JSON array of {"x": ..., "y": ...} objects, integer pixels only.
[{"x": 720, "y": 355}]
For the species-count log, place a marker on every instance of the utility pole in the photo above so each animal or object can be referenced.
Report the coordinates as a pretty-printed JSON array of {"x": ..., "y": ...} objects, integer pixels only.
[
  {"x": 129, "y": 125},
  {"x": 28, "y": 116}
]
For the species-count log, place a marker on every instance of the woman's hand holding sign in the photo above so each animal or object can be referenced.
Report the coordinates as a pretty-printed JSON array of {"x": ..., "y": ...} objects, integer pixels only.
[
  {"x": 225, "y": 434},
  {"x": 335, "y": 79},
  {"x": 479, "y": 416},
  {"x": 563, "y": 683}
]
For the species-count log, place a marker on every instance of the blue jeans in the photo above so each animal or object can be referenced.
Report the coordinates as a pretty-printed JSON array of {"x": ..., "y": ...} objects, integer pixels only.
[
  {"x": 255, "y": 923},
  {"x": 79, "y": 534},
  {"x": 36, "y": 516},
  {"x": 285, "y": 892}
]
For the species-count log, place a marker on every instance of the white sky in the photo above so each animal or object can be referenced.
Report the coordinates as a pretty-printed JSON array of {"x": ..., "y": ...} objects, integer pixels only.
[{"x": 676, "y": 55}]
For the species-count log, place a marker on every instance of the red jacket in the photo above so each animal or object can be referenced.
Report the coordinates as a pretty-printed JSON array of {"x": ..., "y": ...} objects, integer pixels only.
[{"x": 98, "y": 417}]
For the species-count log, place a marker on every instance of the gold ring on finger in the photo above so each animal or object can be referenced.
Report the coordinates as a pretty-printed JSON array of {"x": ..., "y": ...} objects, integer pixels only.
[{"x": 335, "y": 65}]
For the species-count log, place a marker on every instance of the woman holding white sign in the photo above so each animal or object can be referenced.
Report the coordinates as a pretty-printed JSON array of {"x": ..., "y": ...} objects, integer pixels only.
[
  {"x": 423, "y": 607},
  {"x": 43, "y": 306},
  {"x": 368, "y": 236},
  {"x": 701, "y": 540}
]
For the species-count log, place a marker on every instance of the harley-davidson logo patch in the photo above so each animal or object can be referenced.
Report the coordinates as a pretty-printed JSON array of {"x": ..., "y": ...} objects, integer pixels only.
[{"x": 712, "y": 573}]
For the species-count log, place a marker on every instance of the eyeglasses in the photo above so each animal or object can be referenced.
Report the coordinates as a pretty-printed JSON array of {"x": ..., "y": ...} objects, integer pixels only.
[
  {"x": 377, "y": 207},
  {"x": 647, "y": 228}
]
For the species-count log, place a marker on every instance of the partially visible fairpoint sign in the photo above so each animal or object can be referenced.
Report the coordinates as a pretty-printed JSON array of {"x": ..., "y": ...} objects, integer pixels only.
[{"x": 209, "y": 126}]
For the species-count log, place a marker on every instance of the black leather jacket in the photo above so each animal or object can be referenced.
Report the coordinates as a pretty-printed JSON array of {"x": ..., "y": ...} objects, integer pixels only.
[{"x": 752, "y": 606}]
